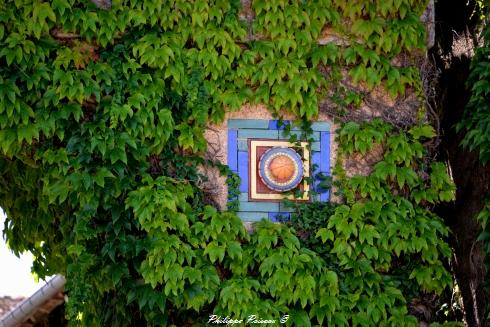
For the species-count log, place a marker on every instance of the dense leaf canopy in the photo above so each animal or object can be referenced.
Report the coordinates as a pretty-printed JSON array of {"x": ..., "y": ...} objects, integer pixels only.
[{"x": 102, "y": 119}]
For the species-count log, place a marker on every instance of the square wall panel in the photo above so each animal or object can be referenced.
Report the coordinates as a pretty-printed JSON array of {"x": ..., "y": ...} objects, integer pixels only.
[{"x": 261, "y": 155}]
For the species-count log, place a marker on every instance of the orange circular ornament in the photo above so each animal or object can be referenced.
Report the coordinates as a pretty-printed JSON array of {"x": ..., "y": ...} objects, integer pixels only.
[{"x": 282, "y": 168}]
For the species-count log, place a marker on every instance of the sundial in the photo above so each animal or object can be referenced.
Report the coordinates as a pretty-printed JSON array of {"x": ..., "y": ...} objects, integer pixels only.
[
  {"x": 277, "y": 167},
  {"x": 272, "y": 169},
  {"x": 281, "y": 169}
]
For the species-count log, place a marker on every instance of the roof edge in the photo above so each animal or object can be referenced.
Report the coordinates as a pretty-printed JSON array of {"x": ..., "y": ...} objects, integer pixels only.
[{"x": 28, "y": 306}]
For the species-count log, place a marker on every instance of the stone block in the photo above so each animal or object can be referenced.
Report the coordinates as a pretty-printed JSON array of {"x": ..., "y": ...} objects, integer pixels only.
[
  {"x": 325, "y": 152},
  {"x": 283, "y": 208},
  {"x": 242, "y": 145},
  {"x": 243, "y": 196},
  {"x": 258, "y": 134},
  {"x": 320, "y": 126},
  {"x": 315, "y": 146},
  {"x": 274, "y": 124},
  {"x": 259, "y": 206},
  {"x": 316, "y": 158},
  {"x": 274, "y": 216},
  {"x": 232, "y": 149},
  {"x": 248, "y": 123},
  {"x": 252, "y": 216},
  {"x": 243, "y": 170},
  {"x": 324, "y": 196},
  {"x": 315, "y": 136}
]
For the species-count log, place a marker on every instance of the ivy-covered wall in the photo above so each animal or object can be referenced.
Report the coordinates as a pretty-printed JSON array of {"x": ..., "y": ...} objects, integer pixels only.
[{"x": 102, "y": 120}]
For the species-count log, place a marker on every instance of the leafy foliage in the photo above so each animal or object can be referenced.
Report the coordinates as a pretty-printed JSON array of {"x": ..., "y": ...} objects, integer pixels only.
[
  {"x": 484, "y": 217},
  {"x": 102, "y": 117},
  {"x": 387, "y": 211},
  {"x": 476, "y": 120}
]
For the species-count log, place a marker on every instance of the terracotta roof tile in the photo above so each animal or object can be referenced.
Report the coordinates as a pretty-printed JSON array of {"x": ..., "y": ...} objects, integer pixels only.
[{"x": 7, "y": 303}]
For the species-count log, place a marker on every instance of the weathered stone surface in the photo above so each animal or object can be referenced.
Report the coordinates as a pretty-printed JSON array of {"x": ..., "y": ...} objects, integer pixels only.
[{"x": 428, "y": 18}]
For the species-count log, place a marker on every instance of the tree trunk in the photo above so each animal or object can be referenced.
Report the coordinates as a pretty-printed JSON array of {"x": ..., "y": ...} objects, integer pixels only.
[{"x": 453, "y": 57}]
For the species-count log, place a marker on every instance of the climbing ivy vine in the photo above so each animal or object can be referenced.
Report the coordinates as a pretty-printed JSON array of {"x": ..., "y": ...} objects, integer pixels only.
[
  {"x": 476, "y": 118},
  {"x": 477, "y": 114},
  {"x": 102, "y": 119}
]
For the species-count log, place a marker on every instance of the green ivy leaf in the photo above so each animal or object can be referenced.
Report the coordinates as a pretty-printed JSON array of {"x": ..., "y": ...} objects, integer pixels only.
[
  {"x": 325, "y": 234},
  {"x": 215, "y": 251},
  {"x": 425, "y": 131}
]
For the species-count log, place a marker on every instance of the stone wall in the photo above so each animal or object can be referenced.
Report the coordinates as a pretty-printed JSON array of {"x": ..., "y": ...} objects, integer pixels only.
[
  {"x": 218, "y": 146},
  {"x": 377, "y": 103}
]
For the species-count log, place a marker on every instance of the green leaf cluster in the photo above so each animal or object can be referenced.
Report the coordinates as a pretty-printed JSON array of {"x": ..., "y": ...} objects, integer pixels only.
[
  {"x": 102, "y": 119},
  {"x": 382, "y": 239},
  {"x": 476, "y": 119}
]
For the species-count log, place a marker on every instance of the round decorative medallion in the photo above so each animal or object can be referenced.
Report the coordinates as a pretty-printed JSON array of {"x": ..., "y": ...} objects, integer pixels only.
[{"x": 281, "y": 169}]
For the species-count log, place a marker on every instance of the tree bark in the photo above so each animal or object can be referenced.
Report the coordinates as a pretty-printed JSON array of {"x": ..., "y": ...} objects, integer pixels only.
[{"x": 454, "y": 20}]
